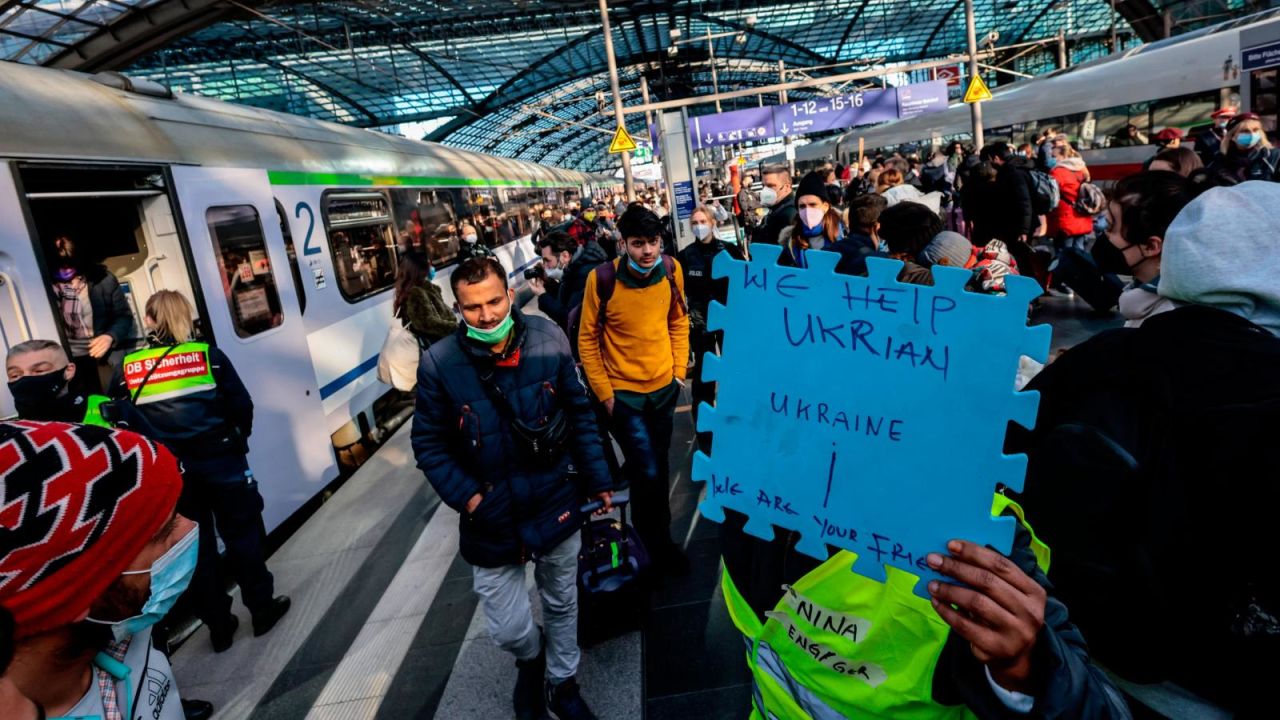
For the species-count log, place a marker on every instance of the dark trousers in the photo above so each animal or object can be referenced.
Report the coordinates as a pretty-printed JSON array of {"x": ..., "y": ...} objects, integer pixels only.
[
  {"x": 645, "y": 438},
  {"x": 702, "y": 342},
  {"x": 218, "y": 492}
]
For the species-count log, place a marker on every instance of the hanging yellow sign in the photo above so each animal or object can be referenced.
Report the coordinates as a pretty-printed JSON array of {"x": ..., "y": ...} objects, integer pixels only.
[
  {"x": 978, "y": 90},
  {"x": 622, "y": 141}
]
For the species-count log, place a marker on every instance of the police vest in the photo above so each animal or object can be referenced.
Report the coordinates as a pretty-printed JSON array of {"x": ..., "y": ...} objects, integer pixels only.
[
  {"x": 93, "y": 411},
  {"x": 839, "y": 645},
  {"x": 183, "y": 370}
]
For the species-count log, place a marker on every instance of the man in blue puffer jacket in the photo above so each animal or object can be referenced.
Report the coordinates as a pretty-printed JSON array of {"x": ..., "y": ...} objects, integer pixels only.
[{"x": 482, "y": 393}]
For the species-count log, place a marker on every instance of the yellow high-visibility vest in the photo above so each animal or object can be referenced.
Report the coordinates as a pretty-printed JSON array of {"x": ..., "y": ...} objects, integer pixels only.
[{"x": 839, "y": 645}]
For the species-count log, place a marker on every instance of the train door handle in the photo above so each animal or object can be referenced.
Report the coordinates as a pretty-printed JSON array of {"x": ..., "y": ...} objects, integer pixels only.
[
  {"x": 151, "y": 268},
  {"x": 11, "y": 291}
]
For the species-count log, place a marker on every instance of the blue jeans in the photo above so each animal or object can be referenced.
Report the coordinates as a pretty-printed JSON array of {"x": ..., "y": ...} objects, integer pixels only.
[
  {"x": 1076, "y": 242},
  {"x": 645, "y": 438}
]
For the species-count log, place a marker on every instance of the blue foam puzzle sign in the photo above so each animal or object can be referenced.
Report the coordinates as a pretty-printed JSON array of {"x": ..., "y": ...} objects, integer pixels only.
[{"x": 862, "y": 412}]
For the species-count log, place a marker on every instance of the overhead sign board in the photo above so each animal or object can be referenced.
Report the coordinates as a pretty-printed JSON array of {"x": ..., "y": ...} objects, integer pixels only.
[
  {"x": 1260, "y": 56},
  {"x": 818, "y": 115}
]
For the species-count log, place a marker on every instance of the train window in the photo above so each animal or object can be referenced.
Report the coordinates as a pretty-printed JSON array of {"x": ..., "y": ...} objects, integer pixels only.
[
  {"x": 481, "y": 213},
  {"x": 1184, "y": 111},
  {"x": 247, "y": 280},
  {"x": 363, "y": 242},
  {"x": 293, "y": 258},
  {"x": 513, "y": 221},
  {"x": 428, "y": 223}
]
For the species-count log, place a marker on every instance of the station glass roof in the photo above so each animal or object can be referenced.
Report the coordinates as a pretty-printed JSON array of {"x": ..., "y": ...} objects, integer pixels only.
[{"x": 521, "y": 77}]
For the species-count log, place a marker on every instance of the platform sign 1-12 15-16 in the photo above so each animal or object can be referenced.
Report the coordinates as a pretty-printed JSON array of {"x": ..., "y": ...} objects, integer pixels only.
[{"x": 817, "y": 115}]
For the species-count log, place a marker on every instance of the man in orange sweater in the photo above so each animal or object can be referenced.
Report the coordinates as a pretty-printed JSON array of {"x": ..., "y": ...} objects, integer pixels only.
[{"x": 634, "y": 343}]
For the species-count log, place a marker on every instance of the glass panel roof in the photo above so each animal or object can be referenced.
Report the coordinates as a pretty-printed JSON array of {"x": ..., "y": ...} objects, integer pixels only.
[{"x": 486, "y": 75}]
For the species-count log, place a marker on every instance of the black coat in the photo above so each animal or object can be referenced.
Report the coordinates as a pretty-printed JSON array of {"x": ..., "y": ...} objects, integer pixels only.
[
  {"x": 213, "y": 422},
  {"x": 1151, "y": 477},
  {"x": 111, "y": 313},
  {"x": 1013, "y": 215},
  {"x": 782, "y": 215},
  {"x": 465, "y": 446},
  {"x": 1258, "y": 164},
  {"x": 699, "y": 287},
  {"x": 573, "y": 284}
]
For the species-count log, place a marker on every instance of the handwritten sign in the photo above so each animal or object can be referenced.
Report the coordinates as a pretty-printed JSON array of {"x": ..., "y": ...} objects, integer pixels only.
[{"x": 864, "y": 413}]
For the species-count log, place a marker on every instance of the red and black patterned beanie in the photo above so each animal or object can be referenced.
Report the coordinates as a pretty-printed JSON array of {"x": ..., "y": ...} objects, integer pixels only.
[{"x": 77, "y": 505}]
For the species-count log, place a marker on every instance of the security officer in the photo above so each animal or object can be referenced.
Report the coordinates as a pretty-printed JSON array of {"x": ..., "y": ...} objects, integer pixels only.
[
  {"x": 40, "y": 375},
  {"x": 187, "y": 396}
]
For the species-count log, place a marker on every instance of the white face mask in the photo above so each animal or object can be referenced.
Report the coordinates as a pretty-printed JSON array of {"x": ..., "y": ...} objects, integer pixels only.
[
  {"x": 555, "y": 273},
  {"x": 469, "y": 238},
  {"x": 768, "y": 197},
  {"x": 701, "y": 232},
  {"x": 811, "y": 216}
]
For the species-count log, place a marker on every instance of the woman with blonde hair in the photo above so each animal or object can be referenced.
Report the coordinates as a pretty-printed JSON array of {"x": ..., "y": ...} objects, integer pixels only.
[
  {"x": 1246, "y": 152},
  {"x": 185, "y": 395}
]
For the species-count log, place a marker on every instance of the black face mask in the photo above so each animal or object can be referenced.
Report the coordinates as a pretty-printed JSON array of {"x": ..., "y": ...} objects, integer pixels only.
[
  {"x": 1110, "y": 259},
  {"x": 35, "y": 394}
]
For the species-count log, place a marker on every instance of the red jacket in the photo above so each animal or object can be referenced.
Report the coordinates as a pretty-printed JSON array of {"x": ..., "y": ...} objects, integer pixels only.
[{"x": 1065, "y": 220}]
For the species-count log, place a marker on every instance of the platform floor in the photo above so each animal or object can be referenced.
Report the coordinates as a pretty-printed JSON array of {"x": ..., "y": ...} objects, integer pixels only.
[{"x": 384, "y": 624}]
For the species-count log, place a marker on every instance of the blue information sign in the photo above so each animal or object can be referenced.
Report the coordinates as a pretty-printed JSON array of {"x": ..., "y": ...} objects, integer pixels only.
[
  {"x": 685, "y": 201},
  {"x": 819, "y": 115},
  {"x": 1262, "y": 56}
]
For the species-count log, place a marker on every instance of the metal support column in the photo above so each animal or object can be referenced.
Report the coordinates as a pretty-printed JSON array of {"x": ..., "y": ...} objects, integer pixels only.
[
  {"x": 618, "y": 116},
  {"x": 782, "y": 100},
  {"x": 975, "y": 109},
  {"x": 1062, "y": 49}
]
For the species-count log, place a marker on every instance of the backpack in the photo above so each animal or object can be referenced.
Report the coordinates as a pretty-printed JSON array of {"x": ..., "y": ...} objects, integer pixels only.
[
  {"x": 1089, "y": 200},
  {"x": 606, "y": 281},
  {"x": 1044, "y": 192}
]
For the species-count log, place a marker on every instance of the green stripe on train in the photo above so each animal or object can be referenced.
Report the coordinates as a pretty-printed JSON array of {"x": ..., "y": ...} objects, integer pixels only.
[{"x": 283, "y": 177}]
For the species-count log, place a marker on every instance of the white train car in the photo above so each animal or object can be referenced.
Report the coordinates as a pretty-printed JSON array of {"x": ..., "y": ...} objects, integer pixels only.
[
  {"x": 281, "y": 230},
  {"x": 1169, "y": 83}
]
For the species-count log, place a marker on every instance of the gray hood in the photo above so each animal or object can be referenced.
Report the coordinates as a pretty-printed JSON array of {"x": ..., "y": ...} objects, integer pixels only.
[{"x": 1222, "y": 251}]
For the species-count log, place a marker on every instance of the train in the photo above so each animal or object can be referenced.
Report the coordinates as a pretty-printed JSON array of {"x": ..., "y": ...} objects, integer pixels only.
[
  {"x": 1171, "y": 83},
  {"x": 282, "y": 231}
]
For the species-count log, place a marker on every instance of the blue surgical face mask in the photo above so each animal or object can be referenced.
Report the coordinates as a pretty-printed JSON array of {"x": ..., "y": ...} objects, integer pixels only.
[
  {"x": 170, "y": 575},
  {"x": 1051, "y": 163},
  {"x": 1248, "y": 140},
  {"x": 431, "y": 272},
  {"x": 631, "y": 263}
]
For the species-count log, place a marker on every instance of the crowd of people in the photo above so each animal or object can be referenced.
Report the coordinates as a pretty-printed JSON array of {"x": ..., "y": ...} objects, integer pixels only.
[{"x": 518, "y": 414}]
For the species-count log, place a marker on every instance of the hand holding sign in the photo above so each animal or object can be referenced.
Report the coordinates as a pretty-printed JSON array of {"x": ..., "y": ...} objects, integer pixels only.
[
  {"x": 1000, "y": 612},
  {"x": 862, "y": 412}
]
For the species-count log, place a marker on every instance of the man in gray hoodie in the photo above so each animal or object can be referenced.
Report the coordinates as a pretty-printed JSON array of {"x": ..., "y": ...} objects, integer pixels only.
[{"x": 1150, "y": 471}]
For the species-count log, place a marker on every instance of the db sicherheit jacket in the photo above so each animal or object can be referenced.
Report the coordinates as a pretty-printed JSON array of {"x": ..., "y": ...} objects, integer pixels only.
[{"x": 464, "y": 444}]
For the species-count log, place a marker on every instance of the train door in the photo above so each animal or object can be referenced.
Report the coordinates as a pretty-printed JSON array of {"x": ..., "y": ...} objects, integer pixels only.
[
  {"x": 243, "y": 264},
  {"x": 25, "y": 312},
  {"x": 102, "y": 239}
]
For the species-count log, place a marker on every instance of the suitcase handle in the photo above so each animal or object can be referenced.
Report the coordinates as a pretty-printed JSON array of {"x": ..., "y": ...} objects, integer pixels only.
[{"x": 620, "y": 498}]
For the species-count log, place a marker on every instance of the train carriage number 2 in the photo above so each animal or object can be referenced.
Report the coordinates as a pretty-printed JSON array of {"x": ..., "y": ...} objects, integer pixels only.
[{"x": 307, "y": 248}]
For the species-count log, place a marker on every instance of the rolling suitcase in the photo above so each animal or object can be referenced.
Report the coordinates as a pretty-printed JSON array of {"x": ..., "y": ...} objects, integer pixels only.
[{"x": 611, "y": 597}]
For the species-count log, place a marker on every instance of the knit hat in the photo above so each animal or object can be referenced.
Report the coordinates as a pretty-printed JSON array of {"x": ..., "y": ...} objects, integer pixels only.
[
  {"x": 1219, "y": 251},
  {"x": 813, "y": 184},
  {"x": 953, "y": 246},
  {"x": 77, "y": 505}
]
